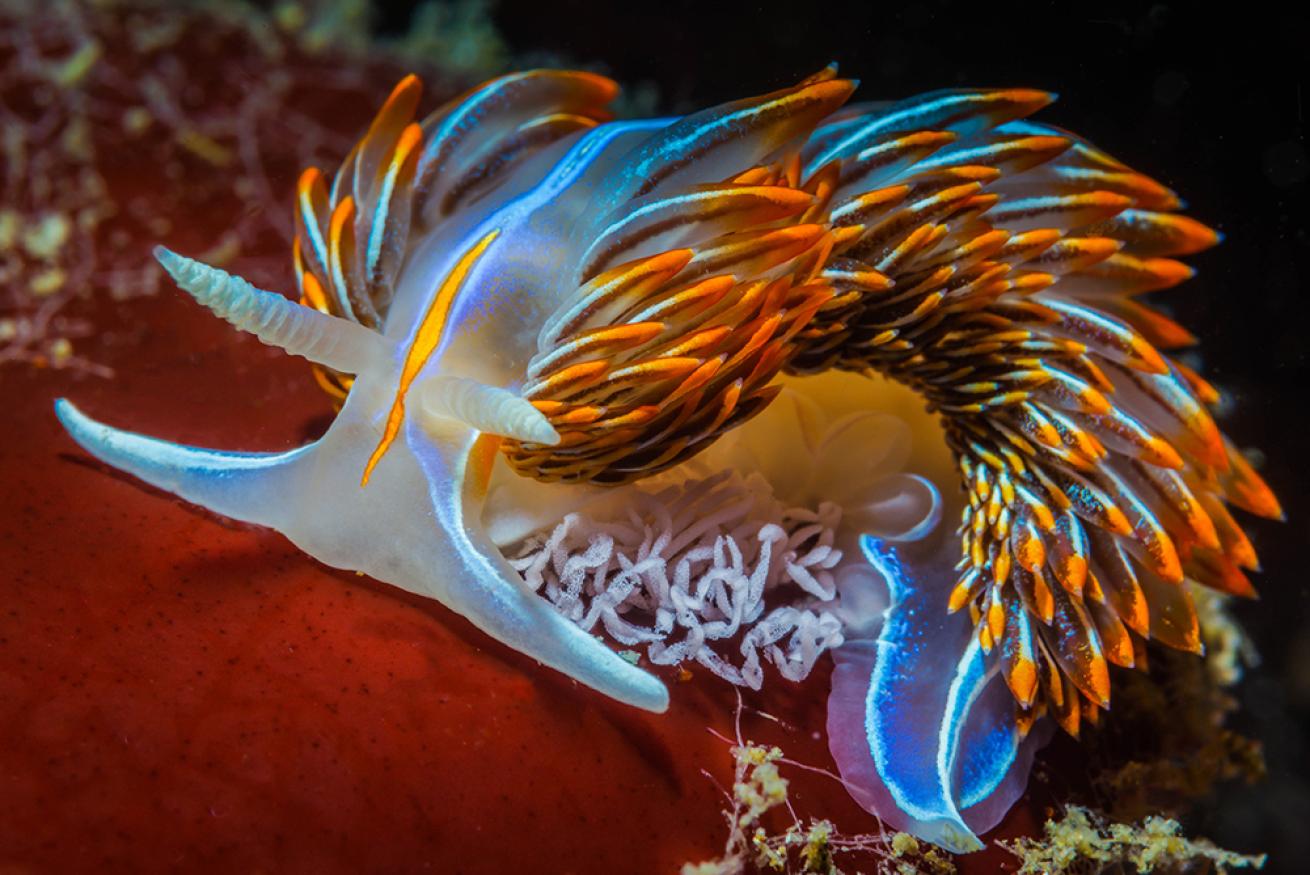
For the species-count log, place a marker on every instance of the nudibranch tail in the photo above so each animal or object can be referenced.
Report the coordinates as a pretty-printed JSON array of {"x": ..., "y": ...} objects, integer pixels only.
[{"x": 919, "y": 722}]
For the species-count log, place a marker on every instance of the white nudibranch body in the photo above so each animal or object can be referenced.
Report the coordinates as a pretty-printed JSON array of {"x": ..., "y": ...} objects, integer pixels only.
[{"x": 666, "y": 379}]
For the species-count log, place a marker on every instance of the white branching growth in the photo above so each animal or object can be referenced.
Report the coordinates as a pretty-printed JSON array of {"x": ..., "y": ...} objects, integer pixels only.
[
  {"x": 697, "y": 571},
  {"x": 487, "y": 408},
  {"x": 337, "y": 343}
]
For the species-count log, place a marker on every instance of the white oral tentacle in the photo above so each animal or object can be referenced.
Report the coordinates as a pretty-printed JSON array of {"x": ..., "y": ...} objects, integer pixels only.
[
  {"x": 335, "y": 343},
  {"x": 257, "y": 488},
  {"x": 487, "y": 408}
]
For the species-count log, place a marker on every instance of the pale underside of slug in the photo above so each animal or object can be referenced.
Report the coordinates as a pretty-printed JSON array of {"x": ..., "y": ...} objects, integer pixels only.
[{"x": 517, "y": 282}]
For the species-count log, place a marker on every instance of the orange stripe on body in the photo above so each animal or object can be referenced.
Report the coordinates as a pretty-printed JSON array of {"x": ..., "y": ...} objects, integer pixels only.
[{"x": 426, "y": 341}]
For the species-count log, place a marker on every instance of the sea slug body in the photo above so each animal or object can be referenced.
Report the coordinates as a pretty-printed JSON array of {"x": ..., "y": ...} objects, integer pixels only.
[{"x": 527, "y": 310}]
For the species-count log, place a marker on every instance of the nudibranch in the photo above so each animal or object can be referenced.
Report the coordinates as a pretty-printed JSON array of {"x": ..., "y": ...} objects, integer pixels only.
[{"x": 518, "y": 294}]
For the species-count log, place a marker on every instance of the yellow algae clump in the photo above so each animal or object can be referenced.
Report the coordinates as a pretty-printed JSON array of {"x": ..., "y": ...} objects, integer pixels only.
[
  {"x": 61, "y": 350},
  {"x": 816, "y": 855},
  {"x": 47, "y": 282},
  {"x": 757, "y": 787},
  {"x": 205, "y": 147},
  {"x": 801, "y": 849},
  {"x": 916, "y": 856},
  {"x": 1228, "y": 650},
  {"x": 763, "y": 787},
  {"x": 137, "y": 120},
  {"x": 1081, "y": 838}
]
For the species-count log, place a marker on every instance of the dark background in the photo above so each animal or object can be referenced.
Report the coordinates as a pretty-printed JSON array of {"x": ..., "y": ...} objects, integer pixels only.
[{"x": 1211, "y": 103}]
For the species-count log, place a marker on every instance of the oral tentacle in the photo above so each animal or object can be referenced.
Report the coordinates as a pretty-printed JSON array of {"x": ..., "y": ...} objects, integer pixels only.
[
  {"x": 325, "y": 340},
  {"x": 491, "y": 594},
  {"x": 251, "y": 487}
]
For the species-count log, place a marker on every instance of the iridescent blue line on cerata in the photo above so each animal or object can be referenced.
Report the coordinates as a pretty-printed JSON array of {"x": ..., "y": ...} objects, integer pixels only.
[{"x": 518, "y": 281}]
